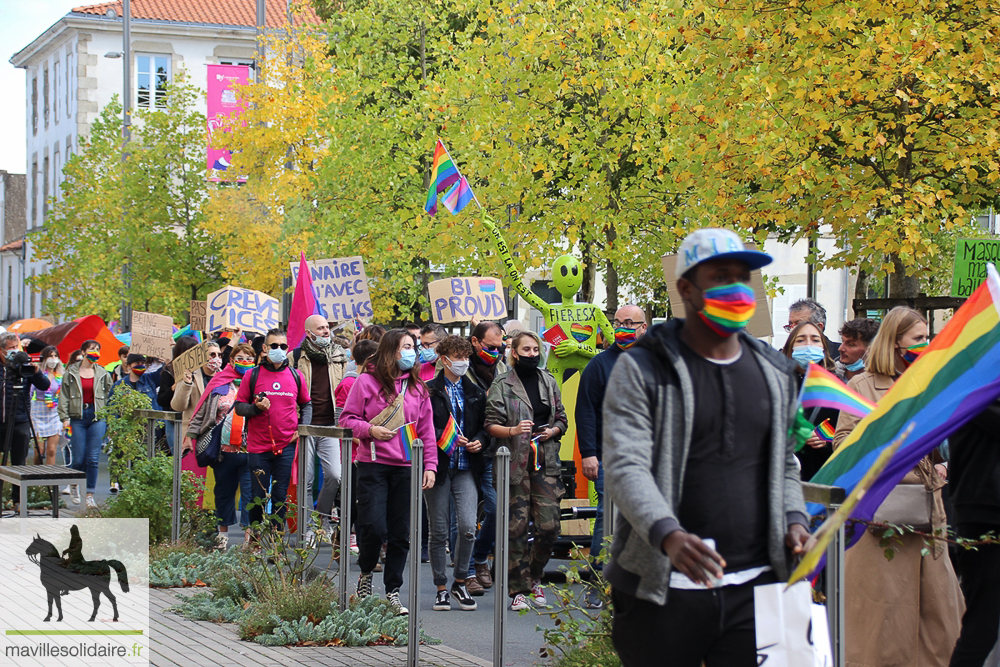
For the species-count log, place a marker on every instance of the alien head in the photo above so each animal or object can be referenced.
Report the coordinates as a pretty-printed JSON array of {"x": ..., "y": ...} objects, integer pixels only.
[{"x": 567, "y": 275}]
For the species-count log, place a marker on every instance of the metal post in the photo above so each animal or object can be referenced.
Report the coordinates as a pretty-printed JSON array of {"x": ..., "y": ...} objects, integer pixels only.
[
  {"x": 261, "y": 19},
  {"x": 346, "y": 490},
  {"x": 835, "y": 594},
  {"x": 150, "y": 437},
  {"x": 416, "y": 512},
  {"x": 609, "y": 515},
  {"x": 501, "y": 470},
  {"x": 306, "y": 446},
  {"x": 175, "y": 514}
]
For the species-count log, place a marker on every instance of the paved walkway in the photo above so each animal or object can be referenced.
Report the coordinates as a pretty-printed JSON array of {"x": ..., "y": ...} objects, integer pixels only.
[{"x": 178, "y": 641}]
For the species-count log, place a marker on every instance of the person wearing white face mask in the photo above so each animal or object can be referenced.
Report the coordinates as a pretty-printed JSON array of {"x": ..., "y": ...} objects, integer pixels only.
[
  {"x": 322, "y": 361},
  {"x": 45, "y": 408},
  {"x": 807, "y": 345},
  {"x": 191, "y": 386}
]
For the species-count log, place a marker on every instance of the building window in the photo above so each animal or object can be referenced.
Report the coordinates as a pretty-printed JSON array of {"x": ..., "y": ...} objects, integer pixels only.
[
  {"x": 45, "y": 95},
  {"x": 34, "y": 191},
  {"x": 56, "y": 81},
  {"x": 34, "y": 105},
  {"x": 152, "y": 77},
  {"x": 246, "y": 63},
  {"x": 56, "y": 174},
  {"x": 10, "y": 292},
  {"x": 69, "y": 146},
  {"x": 32, "y": 295},
  {"x": 69, "y": 82},
  {"x": 45, "y": 187}
]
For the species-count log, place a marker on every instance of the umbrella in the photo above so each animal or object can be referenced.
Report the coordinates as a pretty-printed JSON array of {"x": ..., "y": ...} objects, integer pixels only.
[
  {"x": 28, "y": 325},
  {"x": 71, "y": 335}
]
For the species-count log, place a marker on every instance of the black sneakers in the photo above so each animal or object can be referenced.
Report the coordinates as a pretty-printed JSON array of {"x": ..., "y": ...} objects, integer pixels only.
[
  {"x": 461, "y": 593},
  {"x": 364, "y": 585},
  {"x": 442, "y": 602}
]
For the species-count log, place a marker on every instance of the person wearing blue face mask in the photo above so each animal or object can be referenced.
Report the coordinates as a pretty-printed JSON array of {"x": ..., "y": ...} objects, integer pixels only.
[
  {"x": 427, "y": 354},
  {"x": 807, "y": 345},
  {"x": 855, "y": 337}
]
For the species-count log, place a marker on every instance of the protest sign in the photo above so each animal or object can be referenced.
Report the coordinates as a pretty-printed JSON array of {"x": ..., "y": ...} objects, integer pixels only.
[
  {"x": 199, "y": 311},
  {"x": 152, "y": 335},
  {"x": 971, "y": 257},
  {"x": 340, "y": 286},
  {"x": 191, "y": 360},
  {"x": 461, "y": 299},
  {"x": 759, "y": 325},
  {"x": 235, "y": 307}
]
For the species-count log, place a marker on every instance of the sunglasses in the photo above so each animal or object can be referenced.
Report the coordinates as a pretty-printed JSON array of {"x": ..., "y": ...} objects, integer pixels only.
[
  {"x": 275, "y": 346},
  {"x": 214, "y": 355}
]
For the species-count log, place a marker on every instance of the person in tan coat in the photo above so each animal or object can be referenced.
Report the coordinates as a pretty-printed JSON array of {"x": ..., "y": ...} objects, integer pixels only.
[
  {"x": 905, "y": 611},
  {"x": 190, "y": 387}
]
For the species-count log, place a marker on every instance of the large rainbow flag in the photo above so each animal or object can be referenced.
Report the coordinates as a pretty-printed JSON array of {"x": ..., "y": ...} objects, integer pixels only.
[
  {"x": 443, "y": 174},
  {"x": 951, "y": 382}
]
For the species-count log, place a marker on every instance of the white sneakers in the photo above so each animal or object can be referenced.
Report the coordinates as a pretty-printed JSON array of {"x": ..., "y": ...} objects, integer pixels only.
[
  {"x": 74, "y": 493},
  {"x": 91, "y": 503}
]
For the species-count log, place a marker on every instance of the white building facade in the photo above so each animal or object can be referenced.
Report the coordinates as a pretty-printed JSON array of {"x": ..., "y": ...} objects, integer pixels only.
[{"x": 75, "y": 67}]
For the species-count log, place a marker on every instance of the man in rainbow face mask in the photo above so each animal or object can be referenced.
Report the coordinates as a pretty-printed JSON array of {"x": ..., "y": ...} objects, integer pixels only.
[
  {"x": 701, "y": 469},
  {"x": 630, "y": 325}
]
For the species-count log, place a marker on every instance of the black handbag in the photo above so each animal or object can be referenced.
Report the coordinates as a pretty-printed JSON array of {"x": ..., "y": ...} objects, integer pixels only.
[{"x": 208, "y": 451}]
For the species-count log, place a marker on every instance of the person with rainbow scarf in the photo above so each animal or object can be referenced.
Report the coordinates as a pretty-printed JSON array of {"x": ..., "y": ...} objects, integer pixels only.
[{"x": 45, "y": 408}]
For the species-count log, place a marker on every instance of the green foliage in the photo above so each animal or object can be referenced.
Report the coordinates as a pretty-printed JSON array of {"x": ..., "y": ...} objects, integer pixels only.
[
  {"x": 126, "y": 428},
  {"x": 146, "y": 493},
  {"x": 287, "y": 601},
  {"x": 177, "y": 568},
  {"x": 143, "y": 210},
  {"x": 580, "y": 632},
  {"x": 207, "y": 607},
  {"x": 366, "y": 622},
  {"x": 597, "y": 652}
]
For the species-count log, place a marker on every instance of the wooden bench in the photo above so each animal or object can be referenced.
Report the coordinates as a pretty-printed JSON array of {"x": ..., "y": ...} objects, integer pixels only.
[{"x": 52, "y": 476}]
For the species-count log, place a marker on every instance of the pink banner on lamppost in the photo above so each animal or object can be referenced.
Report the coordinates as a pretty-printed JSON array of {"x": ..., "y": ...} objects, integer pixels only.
[{"x": 223, "y": 104}]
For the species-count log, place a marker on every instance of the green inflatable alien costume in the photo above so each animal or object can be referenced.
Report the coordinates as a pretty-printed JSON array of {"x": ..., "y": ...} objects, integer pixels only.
[{"x": 580, "y": 321}]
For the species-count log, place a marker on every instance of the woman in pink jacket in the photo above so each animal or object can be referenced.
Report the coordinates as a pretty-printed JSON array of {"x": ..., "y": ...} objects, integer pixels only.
[{"x": 384, "y": 458}]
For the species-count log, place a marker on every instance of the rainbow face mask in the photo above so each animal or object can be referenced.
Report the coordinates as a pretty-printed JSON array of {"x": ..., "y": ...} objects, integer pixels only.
[
  {"x": 241, "y": 367},
  {"x": 92, "y": 357},
  {"x": 911, "y": 353},
  {"x": 625, "y": 338},
  {"x": 138, "y": 369},
  {"x": 728, "y": 308},
  {"x": 489, "y": 357}
]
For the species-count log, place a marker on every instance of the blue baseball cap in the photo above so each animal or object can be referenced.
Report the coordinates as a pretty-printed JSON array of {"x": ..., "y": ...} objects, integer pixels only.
[{"x": 705, "y": 244}]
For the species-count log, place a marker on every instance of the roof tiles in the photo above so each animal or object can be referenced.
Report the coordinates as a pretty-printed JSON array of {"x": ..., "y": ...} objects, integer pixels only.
[{"x": 220, "y": 12}]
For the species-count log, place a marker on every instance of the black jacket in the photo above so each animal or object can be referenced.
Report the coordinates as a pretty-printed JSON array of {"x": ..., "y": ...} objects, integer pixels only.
[
  {"x": 590, "y": 402},
  {"x": 974, "y": 468},
  {"x": 473, "y": 418},
  {"x": 10, "y": 403}
]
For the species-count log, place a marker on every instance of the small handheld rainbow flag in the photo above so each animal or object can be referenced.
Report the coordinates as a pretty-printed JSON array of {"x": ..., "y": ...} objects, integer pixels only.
[
  {"x": 448, "y": 442},
  {"x": 443, "y": 174},
  {"x": 825, "y": 431},
  {"x": 408, "y": 434},
  {"x": 823, "y": 389},
  {"x": 534, "y": 450}
]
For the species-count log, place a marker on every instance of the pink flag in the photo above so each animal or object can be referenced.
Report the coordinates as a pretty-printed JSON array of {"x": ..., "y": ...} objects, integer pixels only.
[{"x": 304, "y": 304}]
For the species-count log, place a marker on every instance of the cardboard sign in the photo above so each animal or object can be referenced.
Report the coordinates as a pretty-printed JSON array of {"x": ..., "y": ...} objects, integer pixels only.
[
  {"x": 190, "y": 361},
  {"x": 759, "y": 325},
  {"x": 152, "y": 335},
  {"x": 971, "y": 258},
  {"x": 247, "y": 309},
  {"x": 199, "y": 315},
  {"x": 461, "y": 299},
  {"x": 341, "y": 287}
]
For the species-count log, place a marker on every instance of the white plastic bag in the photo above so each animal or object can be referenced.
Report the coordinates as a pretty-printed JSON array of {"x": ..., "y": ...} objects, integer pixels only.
[{"x": 791, "y": 630}]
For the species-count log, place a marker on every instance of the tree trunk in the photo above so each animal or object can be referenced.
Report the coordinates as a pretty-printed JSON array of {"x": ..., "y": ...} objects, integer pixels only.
[
  {"x": 611, "y": 277},
  {"x": 901, "y": 285},
  {"x": 589, "y": 275}
]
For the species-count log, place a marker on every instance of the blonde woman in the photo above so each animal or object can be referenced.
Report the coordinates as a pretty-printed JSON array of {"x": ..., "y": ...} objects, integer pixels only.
[{"x": 907, "y": 611}]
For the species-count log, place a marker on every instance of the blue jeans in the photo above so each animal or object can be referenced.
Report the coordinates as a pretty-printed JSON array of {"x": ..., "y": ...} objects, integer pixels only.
[
  {"x": 597, "y": 542},
  {"x": 86, "y": 444},
  {"x": 270, "y": 473},
  {"x": 488, "y": 531},
  {"x": 231, "y": 473}
]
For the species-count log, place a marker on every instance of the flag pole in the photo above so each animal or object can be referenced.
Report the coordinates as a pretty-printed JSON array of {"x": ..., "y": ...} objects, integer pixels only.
[{"x": 460, "y": 177}]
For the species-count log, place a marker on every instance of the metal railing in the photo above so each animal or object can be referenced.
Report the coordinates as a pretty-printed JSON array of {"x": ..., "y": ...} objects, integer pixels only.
[
  {"x": 151, "y": 417},
  {"x": 502, "y": 546},
  {"x": 416, "y": 513},
  {"x": 832, "y": 497}
]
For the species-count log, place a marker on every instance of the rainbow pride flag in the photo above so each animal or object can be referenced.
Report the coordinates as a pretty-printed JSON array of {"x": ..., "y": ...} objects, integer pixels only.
[
  {"x": 949, "y": 384},
  {"x": 823, "y": 389},
  {"x": 443, "y": 174},
  {"x": 458, "y": 197},
  {"x": 534, "y": 451},
  {"x": 826, "y": 431},
  {"x": 408, "y": 434},
  {"x": 448, "y": 442}
]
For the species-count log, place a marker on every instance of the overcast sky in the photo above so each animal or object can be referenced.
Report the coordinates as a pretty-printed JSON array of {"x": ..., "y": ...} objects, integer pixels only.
[{"x": 21, "y": 21}]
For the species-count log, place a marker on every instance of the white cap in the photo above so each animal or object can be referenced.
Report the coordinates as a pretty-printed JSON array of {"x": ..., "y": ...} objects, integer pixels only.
[{"x": 706, "y": 244}]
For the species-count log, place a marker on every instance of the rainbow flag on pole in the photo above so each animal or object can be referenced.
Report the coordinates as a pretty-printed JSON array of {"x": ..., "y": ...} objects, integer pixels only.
[
  {"x": 823, "y": 389},
  {"x": 443, "y": 174},
  {"x": 950, "y": 383},
  {"x": 408, "y": 435},
  {"x": 448, "y": 442}
]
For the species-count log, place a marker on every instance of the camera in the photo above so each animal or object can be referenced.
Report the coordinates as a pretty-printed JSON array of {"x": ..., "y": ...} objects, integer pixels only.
[{"x": 20, "y": 365}]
